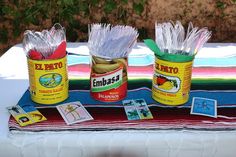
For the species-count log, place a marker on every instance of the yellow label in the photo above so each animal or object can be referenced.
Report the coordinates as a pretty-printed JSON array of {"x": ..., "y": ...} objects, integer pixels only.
[
  {"x": 37, "y": 116},
  {"x": 171, "y": 82},
  {"x": 48, "y": 80},
  {"x": 23, "y": 119}
]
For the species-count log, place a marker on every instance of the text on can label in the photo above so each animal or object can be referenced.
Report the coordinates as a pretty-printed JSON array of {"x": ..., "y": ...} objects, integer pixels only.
[
  {"x": 167, "y": 69},
  {"x": 106, "y": 82},
  {"x": 52, "y": 66}
]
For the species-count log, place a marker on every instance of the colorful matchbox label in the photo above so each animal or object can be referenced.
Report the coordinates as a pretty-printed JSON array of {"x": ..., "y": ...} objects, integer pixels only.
[
  {"x": 73, "y": 112},
  {"x": 137, "y": 109},
  {"x": 204, "y": 107}
]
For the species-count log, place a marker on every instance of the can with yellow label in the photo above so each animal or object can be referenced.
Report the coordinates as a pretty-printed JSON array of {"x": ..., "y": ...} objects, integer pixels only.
[
  {"x": 48, "y": 80},
  {"x": 171, "y": 81}
]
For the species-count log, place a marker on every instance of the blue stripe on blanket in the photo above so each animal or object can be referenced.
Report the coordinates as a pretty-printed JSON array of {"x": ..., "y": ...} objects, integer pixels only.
[
  {"x": 224, "y": 98},
  {"x": 144, "y": 60}
]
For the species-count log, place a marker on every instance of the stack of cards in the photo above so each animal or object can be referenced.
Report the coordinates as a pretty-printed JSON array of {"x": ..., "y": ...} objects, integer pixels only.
[
  {"x": 204, "y": 107},
  {"x": 137, "y": 109},
  {"x": 26, "y": 115},
  {"x": 74, "y": 112}
]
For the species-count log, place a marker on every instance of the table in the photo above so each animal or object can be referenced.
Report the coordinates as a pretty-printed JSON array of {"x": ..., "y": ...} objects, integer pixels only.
[{"x": 167, "y": 143}]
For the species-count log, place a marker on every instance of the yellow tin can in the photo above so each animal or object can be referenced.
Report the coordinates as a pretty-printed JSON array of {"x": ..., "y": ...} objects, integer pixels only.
[
  {"x": 171, "y": 81},
  {"x": 48, "y": 80}
]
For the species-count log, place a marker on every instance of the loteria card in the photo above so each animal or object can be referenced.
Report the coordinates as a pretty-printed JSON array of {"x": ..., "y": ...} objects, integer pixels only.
[
  {"x": 204, "y": 107},
  {"x": 74, "y": 112},
  {"x": 130, "y": 110},
  {"x": 137, "y": 109},
  {"x": 35, "y": 115},
  {"x": 20, "y": 115},
  {"x": 128, "y": 103},
  {"x": 140, "y": 103},
  {"x": 142, "y": 108}
]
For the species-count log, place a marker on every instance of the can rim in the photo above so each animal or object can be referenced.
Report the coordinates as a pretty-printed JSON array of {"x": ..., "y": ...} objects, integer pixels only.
[
  {"x": 176, "y": 57},
  {"x": 43, "y": 60}
]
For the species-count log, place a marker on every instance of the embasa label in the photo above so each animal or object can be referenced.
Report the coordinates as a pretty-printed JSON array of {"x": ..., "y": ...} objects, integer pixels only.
[{"x": 100, "y": 83}]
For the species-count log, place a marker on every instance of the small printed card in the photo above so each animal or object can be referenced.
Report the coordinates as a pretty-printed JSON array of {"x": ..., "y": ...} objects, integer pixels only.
[
  {"x": 137, "y": 109},
  {"x": 35, "y": 115},
  {"x": 204, "y": 107},
  {"x": 130, "y": 110},
  {"x": 26, "y": 114},
  {"x": 74, "y": 112},
  {"x": 143, "y": 109},
  {"x": 22, "y": 118}
]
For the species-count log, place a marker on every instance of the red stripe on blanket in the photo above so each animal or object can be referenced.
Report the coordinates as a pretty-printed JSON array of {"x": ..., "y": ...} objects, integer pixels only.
[{"x": 113, "y": 118}]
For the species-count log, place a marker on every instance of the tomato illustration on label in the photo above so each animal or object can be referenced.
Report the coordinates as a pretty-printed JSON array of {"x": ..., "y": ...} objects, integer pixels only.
[
  {"x": 166, "y": 83},
  {"x": 161, "y": 80}
]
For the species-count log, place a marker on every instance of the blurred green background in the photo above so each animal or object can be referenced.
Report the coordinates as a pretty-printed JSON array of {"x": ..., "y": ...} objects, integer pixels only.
[{"x": 16, "y": 16}]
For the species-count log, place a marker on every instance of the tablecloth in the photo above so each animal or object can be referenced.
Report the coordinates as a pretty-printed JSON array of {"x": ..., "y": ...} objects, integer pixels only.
[{"x": 119, "y": 142}]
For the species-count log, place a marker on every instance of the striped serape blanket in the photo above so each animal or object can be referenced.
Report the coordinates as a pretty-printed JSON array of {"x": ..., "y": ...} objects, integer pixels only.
[
  {"x": 213, "y": 78},
  {"x": 111, "y": 116}
]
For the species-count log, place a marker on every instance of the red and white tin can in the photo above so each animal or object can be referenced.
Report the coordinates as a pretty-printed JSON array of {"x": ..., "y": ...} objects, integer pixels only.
[{"x": 108, "y": 79}]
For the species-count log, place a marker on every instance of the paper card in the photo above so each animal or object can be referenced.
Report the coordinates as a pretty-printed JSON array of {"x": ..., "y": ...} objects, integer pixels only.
[
  {"x": 137, "y": 109},
  {"x": 20, "y": 115},
  {"x": 128, "y": 103},
  {"x": 130, "y": 110},
  {"x": 37, "y": 116},
  {"x": 140, "y": 103},
  {"x": 73, "y": 112},
  {"x": 142, "y": 108},
  {"x": 33, "y": 113},
  {"x": 132, "y": 113},
  {"x": 204, "y": 107}
]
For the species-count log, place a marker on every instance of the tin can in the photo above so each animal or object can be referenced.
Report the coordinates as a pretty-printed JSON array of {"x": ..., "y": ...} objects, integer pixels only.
[
  {"x": 48, "y": 80},
  {"x": 171, "y": 81},
  {"x": 108, "y": 79}
]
